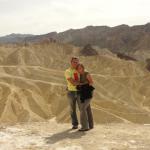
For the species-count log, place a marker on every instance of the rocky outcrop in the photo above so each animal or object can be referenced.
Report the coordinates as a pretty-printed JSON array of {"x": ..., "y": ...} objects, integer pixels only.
[{"x": 88, "y": 51}]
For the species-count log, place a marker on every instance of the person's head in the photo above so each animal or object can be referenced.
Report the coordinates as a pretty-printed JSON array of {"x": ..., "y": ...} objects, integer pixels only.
[
  {"x": 80, "y": 68},
  {"x": 74, "y": 62}
]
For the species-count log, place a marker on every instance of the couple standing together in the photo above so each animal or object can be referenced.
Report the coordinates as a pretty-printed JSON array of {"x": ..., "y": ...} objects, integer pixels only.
[{"x": 80, "y": 91}]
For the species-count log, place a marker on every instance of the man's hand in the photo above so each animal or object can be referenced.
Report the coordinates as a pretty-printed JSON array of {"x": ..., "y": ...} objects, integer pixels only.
[{"x": 74, "y": 82}]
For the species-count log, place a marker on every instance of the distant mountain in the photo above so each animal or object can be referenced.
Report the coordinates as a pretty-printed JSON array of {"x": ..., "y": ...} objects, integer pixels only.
[
  {"x": 14, "y": 38},
  {"x": 120, "y": 39},
  {"x": 38, "y": 38}
]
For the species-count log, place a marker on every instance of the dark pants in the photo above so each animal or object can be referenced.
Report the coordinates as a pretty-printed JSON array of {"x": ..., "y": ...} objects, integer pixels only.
[{"x": 73, "y": 99}]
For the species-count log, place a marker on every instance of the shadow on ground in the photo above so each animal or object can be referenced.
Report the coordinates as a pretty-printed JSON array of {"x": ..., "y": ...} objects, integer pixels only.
[{"x": 67, "y": 134}]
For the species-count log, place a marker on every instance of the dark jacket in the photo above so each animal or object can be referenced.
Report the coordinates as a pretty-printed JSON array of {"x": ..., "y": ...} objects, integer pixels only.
[{"x": 85, "y": 91}]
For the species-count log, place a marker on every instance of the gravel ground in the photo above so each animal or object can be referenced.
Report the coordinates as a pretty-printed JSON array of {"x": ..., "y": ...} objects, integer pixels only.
[{"x": 53, "y": 136}]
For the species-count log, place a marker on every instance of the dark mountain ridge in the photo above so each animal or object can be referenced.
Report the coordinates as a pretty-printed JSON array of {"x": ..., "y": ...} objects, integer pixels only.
[{"x": 119, "y": 39}]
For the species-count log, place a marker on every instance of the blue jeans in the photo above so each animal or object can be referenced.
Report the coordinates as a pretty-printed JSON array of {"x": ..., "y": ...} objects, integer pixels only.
[{"x": 74, "y": 99}]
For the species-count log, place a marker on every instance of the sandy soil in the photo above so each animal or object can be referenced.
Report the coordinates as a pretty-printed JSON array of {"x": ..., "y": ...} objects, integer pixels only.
[{"x": 53, "y": 136}]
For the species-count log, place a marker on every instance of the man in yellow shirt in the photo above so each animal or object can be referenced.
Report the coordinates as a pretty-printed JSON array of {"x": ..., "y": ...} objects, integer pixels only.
[{"x": 72, "y": 78}]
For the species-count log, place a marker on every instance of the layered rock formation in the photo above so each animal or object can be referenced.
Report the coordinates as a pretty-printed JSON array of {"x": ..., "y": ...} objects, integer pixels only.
[{"x": 33, "y": 88}]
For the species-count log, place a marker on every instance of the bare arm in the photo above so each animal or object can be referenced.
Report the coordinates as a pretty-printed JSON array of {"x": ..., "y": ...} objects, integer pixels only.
[{"x": 90, "y": 79}]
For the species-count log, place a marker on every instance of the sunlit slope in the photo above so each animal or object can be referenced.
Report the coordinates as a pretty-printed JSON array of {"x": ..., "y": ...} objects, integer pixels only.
[{"x": 32, "y": 85}]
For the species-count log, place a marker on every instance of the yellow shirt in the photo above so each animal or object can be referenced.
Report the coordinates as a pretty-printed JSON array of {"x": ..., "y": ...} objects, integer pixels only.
[{"x": 71, "y": 73}]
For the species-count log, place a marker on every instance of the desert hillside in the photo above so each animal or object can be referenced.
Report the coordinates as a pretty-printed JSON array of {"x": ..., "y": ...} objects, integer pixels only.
[{"x": 32, "y": 85}]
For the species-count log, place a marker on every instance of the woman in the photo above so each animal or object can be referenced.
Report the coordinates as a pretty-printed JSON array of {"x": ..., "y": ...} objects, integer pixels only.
[{"x": 86, "y": 91}]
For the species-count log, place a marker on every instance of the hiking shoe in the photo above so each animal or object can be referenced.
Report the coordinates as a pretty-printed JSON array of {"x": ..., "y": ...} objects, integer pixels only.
[
  {"x": 83, "y": 130},
  {"x": 75, "y": 127}
]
